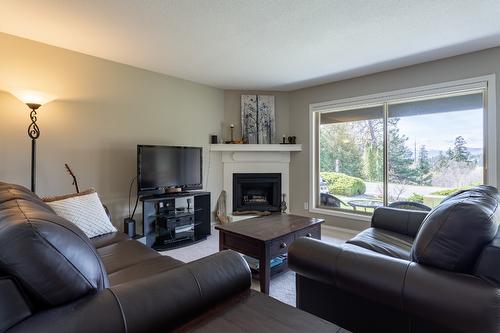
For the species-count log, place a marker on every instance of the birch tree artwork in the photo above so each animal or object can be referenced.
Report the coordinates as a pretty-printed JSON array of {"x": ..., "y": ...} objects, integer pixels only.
[
  {"x": 249, "y": 118},
  {"x": 258, "y": 118},
  {"x": 266, "y": 119}
]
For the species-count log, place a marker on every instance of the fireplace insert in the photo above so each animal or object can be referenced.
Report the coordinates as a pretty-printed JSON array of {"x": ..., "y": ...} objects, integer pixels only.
[{"x": 257, "y": 191}]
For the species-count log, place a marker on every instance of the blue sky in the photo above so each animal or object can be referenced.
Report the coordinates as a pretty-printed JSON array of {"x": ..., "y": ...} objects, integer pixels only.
[{"x": 438, "y": 131}]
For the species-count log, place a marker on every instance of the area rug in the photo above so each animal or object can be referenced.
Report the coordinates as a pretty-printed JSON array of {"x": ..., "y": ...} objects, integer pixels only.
[{"x": 282, "y": 286}]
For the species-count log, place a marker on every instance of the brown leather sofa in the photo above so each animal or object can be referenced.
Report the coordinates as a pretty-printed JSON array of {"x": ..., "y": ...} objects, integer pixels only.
[
  {"x": 54, "y": 279},
  {"x": 411, "y": 271}
]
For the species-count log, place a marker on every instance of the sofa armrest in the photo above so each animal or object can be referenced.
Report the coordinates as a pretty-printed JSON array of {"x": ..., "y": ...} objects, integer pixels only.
[
  {"x": 162, "y": 302},
  {"x": 158, "y": 303},
  {"x": 314, "y": 259},
  {"x": 402, "y": 221}
]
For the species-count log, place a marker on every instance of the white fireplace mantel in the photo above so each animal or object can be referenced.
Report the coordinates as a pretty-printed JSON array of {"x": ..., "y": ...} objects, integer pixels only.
[
  {"x": 255, "y": 147},
  {"x": 246, "y": 158}
]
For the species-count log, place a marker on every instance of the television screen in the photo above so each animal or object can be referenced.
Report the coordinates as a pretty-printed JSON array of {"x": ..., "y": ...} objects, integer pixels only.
[{"x": 160, "y": 167}]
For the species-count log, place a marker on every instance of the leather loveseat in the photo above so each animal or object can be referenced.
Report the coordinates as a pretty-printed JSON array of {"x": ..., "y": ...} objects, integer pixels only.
[
  {"x": 411, "y": 271},
  {"x": 54, "y": 279}
]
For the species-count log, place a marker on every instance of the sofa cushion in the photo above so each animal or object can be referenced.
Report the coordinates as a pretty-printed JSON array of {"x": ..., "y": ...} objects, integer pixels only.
[
  {"x": 108, "y": 239},
  {"x": 51, "y": 258},
  {"x": 143, "y": 269},
  {"x": 124, "y": 254},
  {"x": 385, "y": 242},
  {"x": 454, "y": 233}
]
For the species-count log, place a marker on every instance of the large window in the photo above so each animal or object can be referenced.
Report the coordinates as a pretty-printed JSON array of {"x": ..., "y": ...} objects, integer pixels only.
[{"x": 407, "y": 150}]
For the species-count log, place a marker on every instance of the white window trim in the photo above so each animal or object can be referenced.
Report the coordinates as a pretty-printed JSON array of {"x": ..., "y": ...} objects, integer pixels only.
[{"x": 488, "y": 82}]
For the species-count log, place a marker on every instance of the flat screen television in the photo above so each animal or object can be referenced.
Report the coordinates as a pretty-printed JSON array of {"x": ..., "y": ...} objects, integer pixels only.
[{"x": 164, "y": 167}]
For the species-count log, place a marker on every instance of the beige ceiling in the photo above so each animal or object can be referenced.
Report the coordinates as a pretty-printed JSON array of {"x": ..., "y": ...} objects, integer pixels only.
[{"x": 259, "y": 44}]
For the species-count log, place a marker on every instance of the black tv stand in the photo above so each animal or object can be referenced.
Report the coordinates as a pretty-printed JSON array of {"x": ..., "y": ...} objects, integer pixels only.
[{"x": 175, "y": 219}]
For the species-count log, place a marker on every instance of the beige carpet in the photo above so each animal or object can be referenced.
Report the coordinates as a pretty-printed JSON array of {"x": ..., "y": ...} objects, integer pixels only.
[{"x": 282, "y": 286}]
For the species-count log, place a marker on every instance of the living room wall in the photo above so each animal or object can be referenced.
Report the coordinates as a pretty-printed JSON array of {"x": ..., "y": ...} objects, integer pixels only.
[
  {"x": 102, "y": 110},
  {"x": 449, "y": 69}
]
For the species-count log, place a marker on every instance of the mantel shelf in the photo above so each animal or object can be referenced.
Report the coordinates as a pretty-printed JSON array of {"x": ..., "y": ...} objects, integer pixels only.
[{"x": 255, "y": 147}]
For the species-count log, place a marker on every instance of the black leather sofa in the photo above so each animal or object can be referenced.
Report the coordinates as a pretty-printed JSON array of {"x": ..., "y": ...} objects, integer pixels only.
[
  {"x": 54, "y": 279},
  {"x": 411, "y": 271}
]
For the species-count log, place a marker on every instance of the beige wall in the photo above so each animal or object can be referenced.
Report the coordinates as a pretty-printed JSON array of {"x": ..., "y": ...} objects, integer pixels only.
[
  {"x": 232, "y": 112},
  {"x": 102, "y": 111},
  {"x": 455, "y": 68}
]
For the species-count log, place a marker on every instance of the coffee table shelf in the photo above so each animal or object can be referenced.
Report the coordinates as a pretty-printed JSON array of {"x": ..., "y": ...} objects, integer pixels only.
[{"x": 275, "y": 270}]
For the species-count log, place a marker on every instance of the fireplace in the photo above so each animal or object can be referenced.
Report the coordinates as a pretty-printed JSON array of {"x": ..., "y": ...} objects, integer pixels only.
[{"x": 257, "y": 191}]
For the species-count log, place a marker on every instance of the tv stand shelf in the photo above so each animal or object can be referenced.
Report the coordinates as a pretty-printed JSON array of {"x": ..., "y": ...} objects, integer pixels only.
[
  {"x": 161, "y": 219},
  {"x": 177, "y": 214}
]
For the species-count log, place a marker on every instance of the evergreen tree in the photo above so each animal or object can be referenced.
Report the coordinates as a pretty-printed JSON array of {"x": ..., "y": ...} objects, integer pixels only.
[
  {"x": 373, "y": 164},
  {"x": 443, "y": 160},
  {"x": 337, "y": 143},
  {"x": 400, "y": 156},
  {"x": 460, "y": 153},
  {"x": 424, "y": 167},
  {"x": 450, "y": 154}
]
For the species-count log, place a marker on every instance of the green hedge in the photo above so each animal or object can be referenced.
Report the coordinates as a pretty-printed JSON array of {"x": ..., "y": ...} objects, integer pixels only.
[
  {"x": 342, "y": 184},
  {"x": 453, "y": 190},
  {"x": 415, "y": 197},
  {"x": 446, "y": 192}
]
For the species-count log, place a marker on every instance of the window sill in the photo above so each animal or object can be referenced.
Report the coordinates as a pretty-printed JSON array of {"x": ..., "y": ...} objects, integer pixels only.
[{"x": 347, "y": 215}]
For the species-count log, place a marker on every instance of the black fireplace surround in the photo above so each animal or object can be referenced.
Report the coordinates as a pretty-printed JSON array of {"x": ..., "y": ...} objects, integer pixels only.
[{"x": 257, "y": 191}]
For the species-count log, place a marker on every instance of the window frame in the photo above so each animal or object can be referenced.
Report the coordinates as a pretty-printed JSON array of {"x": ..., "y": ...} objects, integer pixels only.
[{"x": 486, "y": 82}]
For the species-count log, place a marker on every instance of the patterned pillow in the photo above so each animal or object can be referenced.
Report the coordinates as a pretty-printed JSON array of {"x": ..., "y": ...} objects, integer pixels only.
[{"x": 83, "y": 209}]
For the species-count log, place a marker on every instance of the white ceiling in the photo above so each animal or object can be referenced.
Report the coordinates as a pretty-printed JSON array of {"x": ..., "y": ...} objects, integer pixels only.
[{"x": 259, "y": 44}]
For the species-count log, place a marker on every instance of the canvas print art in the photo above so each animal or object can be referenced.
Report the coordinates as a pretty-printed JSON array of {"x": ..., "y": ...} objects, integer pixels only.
[
  {"x": 249, "y": 118},
  {"x": 258, "y": 122},
  {"x": 265, "y": 119}
]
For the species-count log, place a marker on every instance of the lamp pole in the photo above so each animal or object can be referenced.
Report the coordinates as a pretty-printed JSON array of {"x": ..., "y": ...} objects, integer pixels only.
[{"x": 33, "y": 133}]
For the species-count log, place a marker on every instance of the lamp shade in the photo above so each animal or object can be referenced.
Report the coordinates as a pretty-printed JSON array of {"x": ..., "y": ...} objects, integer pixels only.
[{"x": 32, "y": 97}]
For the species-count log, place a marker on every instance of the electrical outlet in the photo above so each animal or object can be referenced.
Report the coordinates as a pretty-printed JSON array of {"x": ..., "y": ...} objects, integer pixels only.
[{"x": 306, "y": 205}]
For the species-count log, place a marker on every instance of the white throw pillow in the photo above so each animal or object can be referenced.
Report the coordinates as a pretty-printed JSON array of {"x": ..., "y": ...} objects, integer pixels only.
[{"x": 85, "y": 210}]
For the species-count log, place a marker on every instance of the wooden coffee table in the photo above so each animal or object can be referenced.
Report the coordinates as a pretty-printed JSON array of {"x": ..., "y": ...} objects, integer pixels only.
[{"x": 267, "y": 237}]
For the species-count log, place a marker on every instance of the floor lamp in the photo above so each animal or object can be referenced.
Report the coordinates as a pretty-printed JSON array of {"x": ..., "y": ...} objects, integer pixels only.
[
  {"x": 33, "y": 133},
  {"x": 33, "y": 100}
]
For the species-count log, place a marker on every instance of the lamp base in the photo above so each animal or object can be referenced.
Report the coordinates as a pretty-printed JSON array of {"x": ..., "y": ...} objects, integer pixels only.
[{"x": 33, "y": 165}]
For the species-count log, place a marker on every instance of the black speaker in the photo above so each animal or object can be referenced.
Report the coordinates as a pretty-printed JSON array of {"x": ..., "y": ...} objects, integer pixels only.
[
  {"x": 214, "y": 139},
  {"x": 129, "y": 227}
]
